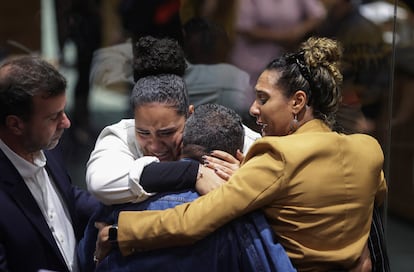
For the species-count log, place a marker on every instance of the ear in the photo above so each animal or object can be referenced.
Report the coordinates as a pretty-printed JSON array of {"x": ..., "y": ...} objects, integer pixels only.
[
  {"x": 15, "y": 124},
  {"x": 299, "y": 99},
  {"x": 190, "y": 110}
]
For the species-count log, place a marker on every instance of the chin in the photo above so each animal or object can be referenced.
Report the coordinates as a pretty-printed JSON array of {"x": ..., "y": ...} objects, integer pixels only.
[{"x": 52, "y": 145}]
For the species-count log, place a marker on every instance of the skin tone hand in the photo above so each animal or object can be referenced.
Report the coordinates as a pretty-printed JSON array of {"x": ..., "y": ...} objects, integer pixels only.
[
  {"x": 103, "y": 246},
  {"x": 207, "y": 181},
  {"x": 223, "y": 163}
]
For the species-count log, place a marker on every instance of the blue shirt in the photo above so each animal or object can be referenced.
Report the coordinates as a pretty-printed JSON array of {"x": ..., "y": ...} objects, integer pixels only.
[{"x": 245, "y": 244}]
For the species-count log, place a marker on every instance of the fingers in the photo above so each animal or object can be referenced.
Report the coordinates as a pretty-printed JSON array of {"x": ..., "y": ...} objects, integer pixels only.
[
  {"x": 100, "y": 225},
  {"x": 208, "y": 182},
  {"x": 224, "y": 156},
  {"x": 223, "y": 174},
  {"x": 102, "y": 243},
  {"x": 228, "y": 162},
  {"x": 222, "y": 171},
  {"x": 240, "y": 155}
]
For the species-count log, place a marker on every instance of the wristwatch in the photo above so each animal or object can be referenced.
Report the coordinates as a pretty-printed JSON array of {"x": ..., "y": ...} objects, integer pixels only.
[{"x": 113, "y": 234}]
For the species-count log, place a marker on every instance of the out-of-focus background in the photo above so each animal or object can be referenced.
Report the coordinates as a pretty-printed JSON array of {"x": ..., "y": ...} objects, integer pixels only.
[{"x": 90, "y": 42}]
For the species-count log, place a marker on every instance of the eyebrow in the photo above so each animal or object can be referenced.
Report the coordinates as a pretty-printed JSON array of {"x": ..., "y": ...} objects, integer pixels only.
[
  {"x": 160, "y": 130},
  {"x": 261, "y": 92}
]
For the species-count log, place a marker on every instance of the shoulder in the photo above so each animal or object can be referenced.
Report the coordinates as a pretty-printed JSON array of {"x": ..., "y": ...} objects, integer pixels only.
[
  {"x": 119, "y": 134},
  {"x": 122, "y": 128},
  {"x": 322, "y": 144},
  {"x": 365, "y": 143}
]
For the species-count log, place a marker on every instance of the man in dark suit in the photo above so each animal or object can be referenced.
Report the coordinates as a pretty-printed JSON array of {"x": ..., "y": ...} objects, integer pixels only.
[{"x": 42, "y": 216}]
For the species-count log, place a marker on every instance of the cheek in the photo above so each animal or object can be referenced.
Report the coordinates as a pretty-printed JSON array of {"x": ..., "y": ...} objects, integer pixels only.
[
  {"x": 141, "y": 142},
  {"x": 177, "y": 139}
]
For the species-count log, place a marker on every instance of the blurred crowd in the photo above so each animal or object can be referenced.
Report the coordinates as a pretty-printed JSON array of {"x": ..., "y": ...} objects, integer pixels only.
[{"x": 227, "y": 44}]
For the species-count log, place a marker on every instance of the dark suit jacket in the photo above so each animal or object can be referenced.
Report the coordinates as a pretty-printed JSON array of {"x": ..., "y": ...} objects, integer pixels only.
[{"x": 26, "y": 243}]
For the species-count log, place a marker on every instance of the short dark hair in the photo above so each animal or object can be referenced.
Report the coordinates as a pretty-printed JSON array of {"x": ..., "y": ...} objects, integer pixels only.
[
  {"x": 210, "y": 127},
  {"x": 22, "y": 78}
]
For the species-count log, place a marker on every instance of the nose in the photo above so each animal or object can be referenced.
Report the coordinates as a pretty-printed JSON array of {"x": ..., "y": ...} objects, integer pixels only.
[
  {"x": 254, "y": 109},
  {"x": 65, "y": 122},
  {"x": 155, "y": 145}
]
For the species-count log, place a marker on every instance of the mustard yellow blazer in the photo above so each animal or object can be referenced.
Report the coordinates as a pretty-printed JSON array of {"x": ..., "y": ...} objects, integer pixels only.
[{"x": 316, "y": 187}]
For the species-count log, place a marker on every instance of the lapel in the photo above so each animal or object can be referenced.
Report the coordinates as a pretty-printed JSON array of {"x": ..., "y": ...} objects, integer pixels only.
[{"x": 13, "y": 184}]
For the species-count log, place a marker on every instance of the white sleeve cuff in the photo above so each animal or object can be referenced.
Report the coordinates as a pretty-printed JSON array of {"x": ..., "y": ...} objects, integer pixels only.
[{"x": 135, "y": 175}]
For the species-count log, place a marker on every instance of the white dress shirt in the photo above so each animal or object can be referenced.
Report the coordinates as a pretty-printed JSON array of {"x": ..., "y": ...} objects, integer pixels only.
[{"x": 50, "y": 202}]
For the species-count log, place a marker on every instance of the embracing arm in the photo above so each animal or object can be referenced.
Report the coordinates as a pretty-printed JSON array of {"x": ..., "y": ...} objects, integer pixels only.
[
  {"x": 115, "y": 166},
  {"x": 190, "y": 222},
  {"x": 169, "y": 176},
  {"x": 117, "y": 172}
]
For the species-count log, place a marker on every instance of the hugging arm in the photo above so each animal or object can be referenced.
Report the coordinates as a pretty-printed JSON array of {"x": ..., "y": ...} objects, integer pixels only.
[{"x": 169, "y": 176}]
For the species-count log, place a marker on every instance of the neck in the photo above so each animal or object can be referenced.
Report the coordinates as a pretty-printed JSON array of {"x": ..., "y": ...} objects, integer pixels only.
[
  {"x": 305, "y": 115},
  {"x": 195, "y": 152},
  {"x": 13, "y": 142}
]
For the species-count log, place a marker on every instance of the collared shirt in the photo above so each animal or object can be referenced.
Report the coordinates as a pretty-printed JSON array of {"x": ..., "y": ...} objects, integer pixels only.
[{"x": 49, "y": 200}]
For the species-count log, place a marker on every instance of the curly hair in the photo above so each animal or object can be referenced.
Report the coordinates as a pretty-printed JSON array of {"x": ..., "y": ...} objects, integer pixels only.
[
  {"x": 159, "y": 65},
  {"x": 212, "y": 126},
  {"x": 153, "y": 56}
]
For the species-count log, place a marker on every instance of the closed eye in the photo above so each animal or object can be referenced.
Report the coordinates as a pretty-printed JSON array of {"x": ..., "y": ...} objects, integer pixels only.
[
  {"x": 143, "y": 133},
  {"x": 262, "y": 99}
]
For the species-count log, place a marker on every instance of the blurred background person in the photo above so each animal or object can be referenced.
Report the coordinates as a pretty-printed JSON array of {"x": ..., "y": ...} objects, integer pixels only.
[
  {"x": 266, "y": 28},
  {"x": 80, "y": 22},
  {"x": 365, "y": 65}
]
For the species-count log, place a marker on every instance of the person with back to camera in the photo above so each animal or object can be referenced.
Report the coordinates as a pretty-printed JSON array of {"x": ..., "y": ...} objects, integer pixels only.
[
  {"x": 42, "y": 215},
  {"x": 316, "y": 187}
]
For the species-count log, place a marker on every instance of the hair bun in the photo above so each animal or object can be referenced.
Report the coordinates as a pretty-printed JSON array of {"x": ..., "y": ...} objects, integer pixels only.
[
  {"x": 324, "y": 52},
  {"x": 154, "y": 56}
]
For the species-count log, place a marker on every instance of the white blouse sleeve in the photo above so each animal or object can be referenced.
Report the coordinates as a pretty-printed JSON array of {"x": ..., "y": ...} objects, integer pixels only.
[{"x": 115, "y": 166}]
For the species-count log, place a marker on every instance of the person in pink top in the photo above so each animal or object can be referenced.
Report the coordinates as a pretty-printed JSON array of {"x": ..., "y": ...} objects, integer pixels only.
[{"x": 266, "y": 28}]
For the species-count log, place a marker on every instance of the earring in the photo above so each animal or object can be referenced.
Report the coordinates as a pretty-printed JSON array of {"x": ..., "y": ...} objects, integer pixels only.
[{"x": 294, "y": 124}]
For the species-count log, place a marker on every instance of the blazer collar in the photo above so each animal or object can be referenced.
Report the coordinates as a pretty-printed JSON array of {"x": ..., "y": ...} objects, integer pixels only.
[{"x": 314, "y": 125}]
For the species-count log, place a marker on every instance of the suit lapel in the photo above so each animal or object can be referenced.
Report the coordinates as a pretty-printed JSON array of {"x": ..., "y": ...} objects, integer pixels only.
[{"x": 13, "y": 184}]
